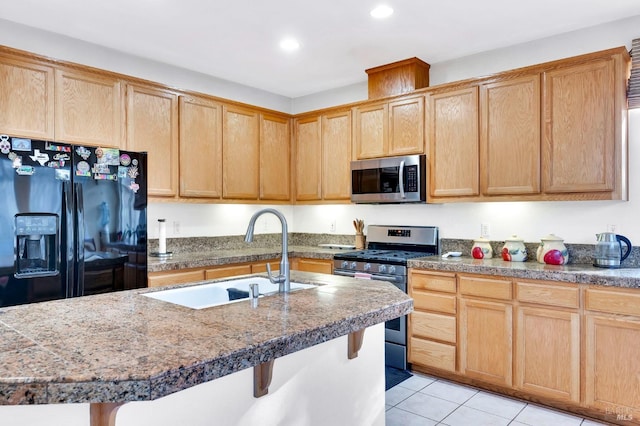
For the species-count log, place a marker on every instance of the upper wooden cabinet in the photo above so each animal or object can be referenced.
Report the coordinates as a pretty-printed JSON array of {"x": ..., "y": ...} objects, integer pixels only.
[
  {"x": 583, "y": 107},
  {"x": 390, "y": 128},
  {"x": 336, "y": 156},
  {"x": 326, "y": 137},
  {"x": 275, "y": 159},
  {"x": 453, "y": 142},
  {"x": 26, "y": 98},
  {"x": 200, "y": 148},
  {"x": 240, "y": 153},
  {"x": 152, "y": 126},
  {"x": 89, "y": 108},
  {"x": 510, "y": 136},
  {"x": 308, "y": 156}
]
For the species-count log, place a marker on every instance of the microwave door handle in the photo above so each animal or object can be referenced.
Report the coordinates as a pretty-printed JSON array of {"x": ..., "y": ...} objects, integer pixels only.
[{"x": 401, "y": 179}]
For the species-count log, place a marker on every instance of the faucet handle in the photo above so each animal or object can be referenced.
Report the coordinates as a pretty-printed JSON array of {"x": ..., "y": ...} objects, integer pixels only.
[{"x": 278, "y": 279}]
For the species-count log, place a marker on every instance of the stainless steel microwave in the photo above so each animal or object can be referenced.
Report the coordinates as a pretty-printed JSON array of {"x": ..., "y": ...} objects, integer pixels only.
[{"x": 389, "y": 180}]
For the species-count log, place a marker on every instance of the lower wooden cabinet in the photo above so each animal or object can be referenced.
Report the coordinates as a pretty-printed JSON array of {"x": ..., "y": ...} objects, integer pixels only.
[
  {"x": 322, "y": 266},
  {"x": 160, "y": 279},
  {"x": 612, "y": 346}
]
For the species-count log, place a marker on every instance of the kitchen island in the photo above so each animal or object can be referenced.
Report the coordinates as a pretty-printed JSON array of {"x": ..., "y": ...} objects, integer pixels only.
[{"x": 105, "y": 350}]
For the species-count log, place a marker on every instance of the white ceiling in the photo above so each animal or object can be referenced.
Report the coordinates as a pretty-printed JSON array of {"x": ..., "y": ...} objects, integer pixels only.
[{"x": 238, "y": 40}]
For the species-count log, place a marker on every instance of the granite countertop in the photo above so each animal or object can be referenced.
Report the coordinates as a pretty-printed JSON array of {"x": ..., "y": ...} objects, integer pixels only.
[
  {"x": 123, "y": 346},
  {"x": 572, "y": 273},
  {"x": 215, "y": 257}
]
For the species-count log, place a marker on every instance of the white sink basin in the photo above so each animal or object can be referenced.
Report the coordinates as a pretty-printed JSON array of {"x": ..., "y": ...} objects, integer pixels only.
[{"x": 207, "y": 295}]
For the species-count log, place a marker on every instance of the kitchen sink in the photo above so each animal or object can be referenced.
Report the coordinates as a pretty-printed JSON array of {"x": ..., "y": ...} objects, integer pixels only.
[{"x": 219, "y": 293}]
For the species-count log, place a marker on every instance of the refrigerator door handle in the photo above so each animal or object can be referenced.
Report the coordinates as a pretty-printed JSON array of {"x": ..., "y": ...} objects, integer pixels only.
[
  {"x": 79, "y": 242},
  {"x": 67, "y": 253}
]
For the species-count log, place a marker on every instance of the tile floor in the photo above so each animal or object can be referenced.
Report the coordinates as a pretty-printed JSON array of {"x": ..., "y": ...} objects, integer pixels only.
[{"x": 426, "y": 401}]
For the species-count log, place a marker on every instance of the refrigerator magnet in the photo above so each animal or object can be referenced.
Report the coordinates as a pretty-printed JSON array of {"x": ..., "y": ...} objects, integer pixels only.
[
  {"x": 63, "y": 174},
  {"x": 83, "y": 152},
  {"x": 20, "y": 144},
  {"x": 125, "y": 160},
  {"x": 40, "y": 157},
  {"x": 53, "y": 147},
  {"x": 134, "y": 187},
  {"x": 133, "y": 172},
  {"x": 83, "y": 169},
  {"x": 5, "y": 145},
  {"x": 25, "y": 170}
]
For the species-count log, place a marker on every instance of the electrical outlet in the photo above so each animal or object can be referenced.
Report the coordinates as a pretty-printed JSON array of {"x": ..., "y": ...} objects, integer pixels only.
[
  {"x": 611, "y": 228},
  {"x": 332, "y": 226},
  {"x": 485, "y": 230},
  {"x": 176, "y": 227}
]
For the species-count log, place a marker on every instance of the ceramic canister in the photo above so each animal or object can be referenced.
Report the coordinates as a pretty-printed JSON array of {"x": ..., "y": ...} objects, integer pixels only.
[
  {"x": 481, "y": 249},
  {"x": 552, "y": 251},
  {"x": 514, "y": 249}
]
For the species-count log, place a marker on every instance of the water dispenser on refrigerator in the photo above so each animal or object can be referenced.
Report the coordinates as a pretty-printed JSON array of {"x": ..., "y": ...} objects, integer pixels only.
[{"x": 37, "y": 247}]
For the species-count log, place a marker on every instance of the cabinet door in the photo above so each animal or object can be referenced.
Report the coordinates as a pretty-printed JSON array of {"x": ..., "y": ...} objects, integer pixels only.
[
  {"x": 152, "y": 126},
  {"x": 336, "y": 156},
  {"x": 453, "y": 143},
  {"x": 313, "y": 265},
  {"x": 240, "y": 151},
  {"x": 406, "y": 126},
  {"x": 510, "y": 136},
  {"x": 548, "y": 353},
  {"x": 371, "y": 131},
  {"x": 227, "y": 271},
  {"x": 26, "y": 98},
  {"x": 160, "y": 279},
  {"x": 612, "y": 369},
  {"x": 200, "y": 148},
  {"x": 89, "y": 109},
  {"x": 275, "y": 161},
  {"x": 485, "y": 337},
  {"x": 579, "y": 138},
  {"x": 308, "y": 155}
]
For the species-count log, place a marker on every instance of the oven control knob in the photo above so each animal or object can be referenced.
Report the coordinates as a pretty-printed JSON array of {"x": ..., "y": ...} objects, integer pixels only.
[
  {"x": 354, "y": 265},
  {"x": 345, "y": 264},
  {"x": 367, "y": 266},
  {"x": 382, "y": 269},
  {"x": 392, "y": 269}
]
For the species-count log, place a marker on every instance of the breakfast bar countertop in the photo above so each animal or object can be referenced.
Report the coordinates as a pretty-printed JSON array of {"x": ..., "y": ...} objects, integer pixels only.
[{"x": 122, "y": 346}]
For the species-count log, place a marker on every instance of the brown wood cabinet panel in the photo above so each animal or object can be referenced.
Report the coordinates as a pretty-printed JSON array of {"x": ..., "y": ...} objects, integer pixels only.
[
  {"x": 227, "y": 271},
  {"x": 406, "y": 126},
  {"x": 485, "y": 287},
  {"x": 200, "y": 148},
  {"x": 336, "y": 156},
  {"x": 89, "y": 109},
  {"x": 548, "y": 353},
  {"x": 371, "y": 130},
  {"x": 240, "y": 153},
  {"x": 432, "y": 301},
  {"x": 510, "y": 136},
  {"x": 275, "y": 159},
  {"x": 429, "y": 325},
  {"x": 437, "y": 281},
  {"x": 615, "y": 301},
  {"x": 26, "y": 98},
  {"x": 579, "y": 138},
  {"x": 485, "y": 341},
  {"x": 308, "y": 155},
  {"x": 160, "y": 279},
  {"x": 453, "y": 141},
  {"x": 612, "y": 376},
  {"x": 261, "y": 266},
  {"x": 551, "y": 294},
  {"x": 152, "y": 126},
  {"x": 432, "y": 354},
  {"x": 313, "y": 265}
]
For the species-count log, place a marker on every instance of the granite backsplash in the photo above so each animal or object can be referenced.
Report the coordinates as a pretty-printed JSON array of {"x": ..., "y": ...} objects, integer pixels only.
[{"x": 578, "y": 253}]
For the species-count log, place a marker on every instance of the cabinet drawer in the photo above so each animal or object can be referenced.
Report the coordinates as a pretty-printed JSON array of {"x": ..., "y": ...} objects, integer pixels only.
[
  {"x": 432, "y": 354},
  {"x": 228, "y": 271},
  {"x": 625, "y": 302},
  {"x": 160, "y": 279},
  {"x": 546, "y": 294},
  {"x": 420, "y": 280},
  {"x": 433, "y": 326},
  {"x": 485, "y": 287},
  {"x": 434, "y": 301}
]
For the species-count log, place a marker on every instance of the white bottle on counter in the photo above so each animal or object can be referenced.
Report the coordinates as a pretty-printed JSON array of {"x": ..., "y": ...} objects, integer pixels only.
[{"x": 162, "y": 236}]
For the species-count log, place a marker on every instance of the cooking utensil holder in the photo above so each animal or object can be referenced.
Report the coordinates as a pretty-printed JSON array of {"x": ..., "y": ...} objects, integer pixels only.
[{"x": 359, "y": 241}]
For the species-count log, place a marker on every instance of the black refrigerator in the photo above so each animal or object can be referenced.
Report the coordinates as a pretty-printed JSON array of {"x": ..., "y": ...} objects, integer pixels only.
[{"x": 73, "y": 220}]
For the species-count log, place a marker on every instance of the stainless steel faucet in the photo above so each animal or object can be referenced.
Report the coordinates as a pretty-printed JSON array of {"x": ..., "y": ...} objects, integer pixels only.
[{"x": 283, "y": 279}]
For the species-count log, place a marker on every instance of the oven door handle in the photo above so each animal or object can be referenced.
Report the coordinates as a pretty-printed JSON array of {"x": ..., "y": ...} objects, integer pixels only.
[
  {"x": 401, "y": 179},
  {"x": 353, "y": 274}
]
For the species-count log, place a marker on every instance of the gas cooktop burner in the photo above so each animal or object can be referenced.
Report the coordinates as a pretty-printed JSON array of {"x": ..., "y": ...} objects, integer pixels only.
[{"x": 381, "y": 255}]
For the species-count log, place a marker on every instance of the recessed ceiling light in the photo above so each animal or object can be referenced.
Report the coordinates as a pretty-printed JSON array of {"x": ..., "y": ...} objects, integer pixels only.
[
  {"x": 382, "y": 11},
  {"x": 289, "y": 44}
]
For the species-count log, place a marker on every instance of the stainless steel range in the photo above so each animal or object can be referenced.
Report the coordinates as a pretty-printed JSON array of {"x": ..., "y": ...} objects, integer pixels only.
[{"x": 389, "y": 248}]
